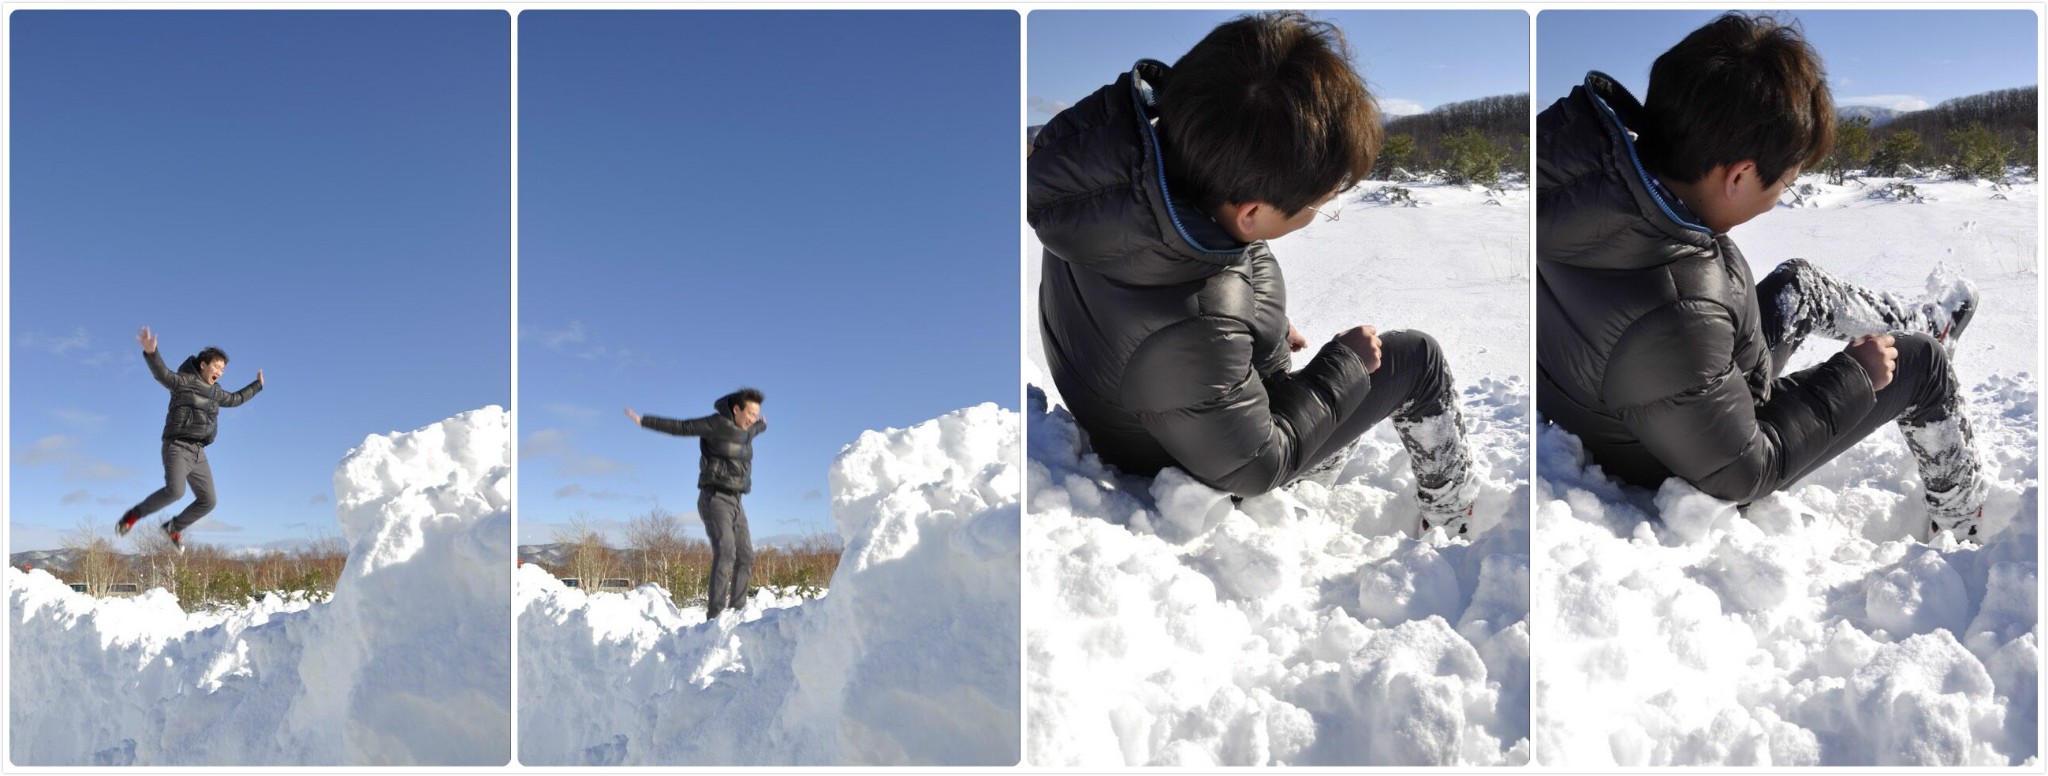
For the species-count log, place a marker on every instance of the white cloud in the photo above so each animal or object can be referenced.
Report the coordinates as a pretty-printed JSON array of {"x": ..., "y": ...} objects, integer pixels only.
[
  {"x": 1395, "y": 107},
  {"x": 62, "y": 451},
  {"x": 558, "y": 446},
  {"x": 1898, "y": 102},
  {"x": 1049, "y": 108}
]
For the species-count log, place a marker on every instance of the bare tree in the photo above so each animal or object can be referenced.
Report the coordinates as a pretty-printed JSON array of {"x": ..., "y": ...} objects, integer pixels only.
[
  {"x": 96, "y": 563},
  {"x": 657, "y": 537},
  {"x": 159, "y": 560},
  {"x": 589, "y": 560}
]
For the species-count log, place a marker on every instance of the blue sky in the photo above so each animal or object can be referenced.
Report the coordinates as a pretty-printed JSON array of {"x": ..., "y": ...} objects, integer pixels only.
[
  {"x": 1905, "y": 60},
  {"x": 820, "y": 205},
  {"x": 322, "y": 194},
  {"x": 1413, "y": 60}
]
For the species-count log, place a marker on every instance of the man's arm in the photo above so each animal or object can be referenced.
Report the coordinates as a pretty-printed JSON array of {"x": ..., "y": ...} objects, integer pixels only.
[
  {"x": 1193, "y": 387},
  {"x": 237, "y": 398},
  {"x": 1673, "y": 381},
  {"x": 163, "y": 374},
  {"x": 691, "y": 427}
]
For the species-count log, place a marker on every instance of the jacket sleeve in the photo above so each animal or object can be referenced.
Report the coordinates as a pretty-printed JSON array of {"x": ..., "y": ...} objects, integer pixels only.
[
  {"x": 163, "y": 374},
  {"x": 1672, "y": 379},
  {"x": 760, "y": 427},
  {"x": 237, "y": 398},
  {"x": 691, "y": 427},
  {"x": 1193, "y": 388}
]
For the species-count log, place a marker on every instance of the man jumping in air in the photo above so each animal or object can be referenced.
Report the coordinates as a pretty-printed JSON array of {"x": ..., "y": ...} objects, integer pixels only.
[
  {"x": 189, "y": 426},
  {"x": 725, "y": 471}
]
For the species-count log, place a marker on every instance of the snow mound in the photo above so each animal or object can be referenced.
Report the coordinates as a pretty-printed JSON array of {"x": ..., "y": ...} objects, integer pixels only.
[
  {"x": 1815, "y": 629},
  {"x": 1171, "y": 627},
  {"x": 407, "y": 664},
  {"x": 910, "y": 659}
]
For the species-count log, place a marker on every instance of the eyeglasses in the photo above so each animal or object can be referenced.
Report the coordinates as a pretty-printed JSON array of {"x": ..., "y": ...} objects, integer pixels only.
[{"x": 1332, "y": 213}]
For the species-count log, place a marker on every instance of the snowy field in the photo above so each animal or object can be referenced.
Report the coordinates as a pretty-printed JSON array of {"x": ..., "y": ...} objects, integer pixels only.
[
  {"x": 1819, "y": 628},
  {"x": 909, "y": 659},
  {"x": 1305, "y": 626},
  {"x": 408, "y": 664}
]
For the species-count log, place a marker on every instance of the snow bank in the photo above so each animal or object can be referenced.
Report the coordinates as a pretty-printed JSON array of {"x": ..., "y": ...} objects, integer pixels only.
[
  {"x": 1168, "y": 627},
  {"x": 1817, "y": 628},
  {"x": 910, "y": 659},
  {"x": 407, "y": 664}
]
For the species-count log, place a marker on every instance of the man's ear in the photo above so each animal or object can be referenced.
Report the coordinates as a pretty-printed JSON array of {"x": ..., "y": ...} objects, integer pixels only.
[
  {"x": 1242, "y": 219},
  {"x": 1733, "y": 175}
]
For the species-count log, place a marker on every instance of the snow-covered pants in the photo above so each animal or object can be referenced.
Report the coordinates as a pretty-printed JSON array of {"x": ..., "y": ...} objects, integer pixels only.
[
  {"x": 184, "y": 462},
  {"x": 1924, "y": 397},
  {"x": 1413, "y": 386},
  {"x": 732, "y": 549}
]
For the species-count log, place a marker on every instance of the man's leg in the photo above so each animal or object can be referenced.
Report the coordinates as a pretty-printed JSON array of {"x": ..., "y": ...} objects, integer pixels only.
[
  {"x": 743, "y": 554},
  {"x": 176, "y": 465},
  {"x": 711, "y": 507},
  {"x": 201, "y": 479},
  {"x": 1926, "y": 401},
  {"x": 1413, "y": 386},
  {"x": 1799, "y": 299}
]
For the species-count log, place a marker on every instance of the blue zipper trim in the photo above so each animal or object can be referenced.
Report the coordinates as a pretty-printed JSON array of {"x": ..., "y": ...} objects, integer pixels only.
[
  {"x": 1159, "y": 161},
  {"x": 1648, "y": 184}
]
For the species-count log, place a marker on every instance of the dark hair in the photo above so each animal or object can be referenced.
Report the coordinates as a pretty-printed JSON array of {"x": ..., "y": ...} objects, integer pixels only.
[
  {"x": 211, "y": 353},
  {"x": 1267, "y": 109},
  {"x": 745, "y": 395},
  {"x": 1744, "y": 87}
]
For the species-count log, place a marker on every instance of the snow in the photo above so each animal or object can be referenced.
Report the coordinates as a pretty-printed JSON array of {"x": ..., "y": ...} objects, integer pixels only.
[
  {"x": 1305, "y": 626},
  {"x": 1819, "y": 627},
  {"x": 909, "y": 659},
  {"x": 407, "y": 664}
]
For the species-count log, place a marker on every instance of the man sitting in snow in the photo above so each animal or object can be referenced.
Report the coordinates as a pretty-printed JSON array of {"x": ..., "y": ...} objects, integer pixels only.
[
  {"x": 1163, "y": 311},
  {"x": 189, "y": 426},
  {"x": 1655, "y": 346},
  {"x": 725, "y": 471}
]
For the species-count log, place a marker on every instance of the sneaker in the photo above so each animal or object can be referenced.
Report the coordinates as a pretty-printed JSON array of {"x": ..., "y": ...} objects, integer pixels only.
[
  {"x": 1455, "y": 524},
  {"x": 1965, "y": 527},
  {"x": 176, "y": 537},
  {"x": 128, "y": 519},
  {"x": 1952, "y": 303}
]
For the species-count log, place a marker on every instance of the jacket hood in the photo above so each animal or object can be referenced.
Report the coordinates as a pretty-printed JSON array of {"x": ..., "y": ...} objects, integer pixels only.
[
  {"x": 191, "y": 365},
  {"x": 1098, "y": 196},
  {"x": 1597, "y": 206}
]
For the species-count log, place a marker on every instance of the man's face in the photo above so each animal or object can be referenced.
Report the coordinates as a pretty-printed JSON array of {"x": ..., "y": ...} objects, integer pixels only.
[
  {"x": 745, "y": 413},
  {"x": 212, "y": 370}
]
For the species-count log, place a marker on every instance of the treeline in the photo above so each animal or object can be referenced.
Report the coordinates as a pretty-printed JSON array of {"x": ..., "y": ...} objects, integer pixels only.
[
  {"x": 1475, "y": 141},
  {"x": 1974, "y": 137},
  {"x": 657, "y": 551},
  {"x": 204, "y": 575}
]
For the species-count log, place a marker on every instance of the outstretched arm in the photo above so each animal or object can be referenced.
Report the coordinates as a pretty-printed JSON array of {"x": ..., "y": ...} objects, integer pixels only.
[
  {"x": 691, "y": 427},
  {"x": 163, "y": 374},
  {"x": 248, "y": 392}
]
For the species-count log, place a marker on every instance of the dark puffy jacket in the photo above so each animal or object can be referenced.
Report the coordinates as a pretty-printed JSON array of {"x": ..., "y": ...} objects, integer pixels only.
[
  {"x": 194, "y": 414},
  {"x": 1650, "y": 344},
  {"x": 725, "y": 458},
  {"x": 1166, "y": 337}
]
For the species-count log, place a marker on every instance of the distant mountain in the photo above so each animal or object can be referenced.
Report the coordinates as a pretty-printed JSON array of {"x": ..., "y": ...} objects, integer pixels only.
[
  {"x": 1878, "y": 116},
  {"x": 53, "y": 561}
]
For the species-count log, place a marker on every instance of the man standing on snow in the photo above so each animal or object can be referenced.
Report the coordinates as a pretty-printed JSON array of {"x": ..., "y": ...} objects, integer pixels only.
[
  {"x": 189, "y": 426},
  {"x": 725, "y": 471}
]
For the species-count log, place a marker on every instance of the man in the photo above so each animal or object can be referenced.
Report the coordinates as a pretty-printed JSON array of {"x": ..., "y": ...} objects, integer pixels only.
[
  {"x": 189, "y": 426},
  {"x": 1654, "y": 345},
  {"x": 1162, "y": 308},
  {"x": 725, "y": 472}
]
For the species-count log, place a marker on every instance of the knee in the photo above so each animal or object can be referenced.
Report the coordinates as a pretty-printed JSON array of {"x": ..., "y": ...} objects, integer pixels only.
[
  {"x": 176, "y": 488},
  {"x": 1791, "y": 268},
  {"x": 1923, "y": 359},
  {"x": 204, "y": 501},
  {"x": 1413, "y": 347}
]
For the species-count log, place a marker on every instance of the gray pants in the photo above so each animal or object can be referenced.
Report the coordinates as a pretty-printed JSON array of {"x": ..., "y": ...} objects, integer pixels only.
[
  {"x": 732, "y": 549},
  {"x": 184, "y": 462}
]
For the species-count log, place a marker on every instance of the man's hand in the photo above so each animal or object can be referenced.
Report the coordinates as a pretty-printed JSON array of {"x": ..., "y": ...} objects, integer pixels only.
[
  {"x": 634, "y": 415},
  {"x": 147, "y": 339},
  {"x": 1295, "y": 342},
  {"x": 259, "y": 377},
  {"x": 1878, "y": 357},
  {"x": 1365, "y": 341}
]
